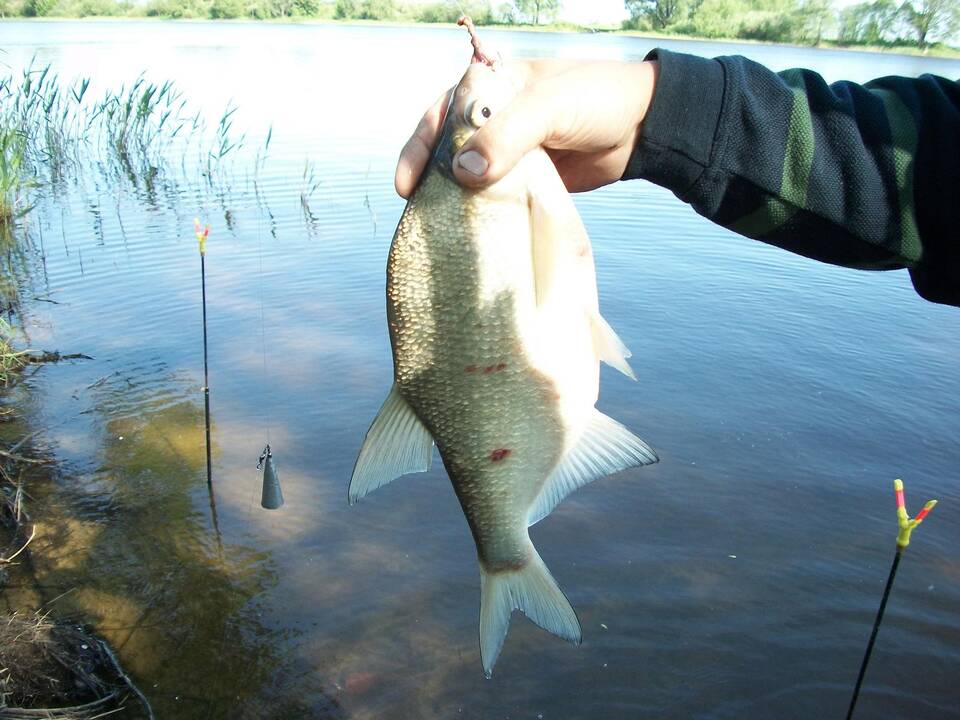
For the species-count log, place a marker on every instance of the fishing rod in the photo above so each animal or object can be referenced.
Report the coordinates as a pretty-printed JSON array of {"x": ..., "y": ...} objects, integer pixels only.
[
  {"x": 906, "y": 527},
  {"x": 272, "y": 496},
  {"x": 202, "y": 232}
]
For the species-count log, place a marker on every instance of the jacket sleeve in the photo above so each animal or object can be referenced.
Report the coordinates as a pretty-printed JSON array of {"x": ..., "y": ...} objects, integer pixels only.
[{"x": 864, "y": 176}]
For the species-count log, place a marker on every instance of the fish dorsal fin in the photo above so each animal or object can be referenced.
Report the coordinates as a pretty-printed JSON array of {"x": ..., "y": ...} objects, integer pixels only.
[
  {"x": 397, "y": 443},
  {"x": 557, "y": 235},
  {"x": 609, "y": 346},
  {"x": 605, "y": 447}
]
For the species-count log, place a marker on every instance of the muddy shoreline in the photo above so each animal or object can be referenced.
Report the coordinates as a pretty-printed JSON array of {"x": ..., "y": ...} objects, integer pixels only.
[{"x": 51, "y": 663}]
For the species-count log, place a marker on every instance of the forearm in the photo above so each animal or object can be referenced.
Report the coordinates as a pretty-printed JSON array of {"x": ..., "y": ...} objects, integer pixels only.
[{"x": 839, "y": 173}]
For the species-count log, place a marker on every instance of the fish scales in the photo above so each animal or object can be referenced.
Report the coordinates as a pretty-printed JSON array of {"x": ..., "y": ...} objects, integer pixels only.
[
  {"x": 505, "y": 426},
  {"x": 497, "y": 338}
]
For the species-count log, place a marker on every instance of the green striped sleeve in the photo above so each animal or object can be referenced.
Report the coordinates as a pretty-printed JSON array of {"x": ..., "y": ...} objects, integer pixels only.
[
  {"x": 903, "y": 136},
  {"x": 797, "y": 162}
]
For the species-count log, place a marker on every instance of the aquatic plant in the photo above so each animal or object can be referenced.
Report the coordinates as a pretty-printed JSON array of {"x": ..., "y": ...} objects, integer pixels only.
[
  {"x": 56, "y": 136},
  {"x": 13, "y": 180},
  {"x": 11, "y": 359},
  {"x": 308, "y": 186},
  {"x": 142, "y": 131},
  {"x": 138, "y": 123}
]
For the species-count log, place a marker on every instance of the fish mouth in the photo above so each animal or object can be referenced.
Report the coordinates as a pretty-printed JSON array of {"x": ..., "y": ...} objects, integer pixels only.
[{"x": 452, "y": 138}]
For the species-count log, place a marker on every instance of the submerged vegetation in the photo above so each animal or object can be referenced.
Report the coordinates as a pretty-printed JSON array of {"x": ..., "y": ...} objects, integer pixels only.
[
  {"x": 55, "y": 670},
  {"x": 48, "y": 668},
  {"x": 57, "y": 139}
]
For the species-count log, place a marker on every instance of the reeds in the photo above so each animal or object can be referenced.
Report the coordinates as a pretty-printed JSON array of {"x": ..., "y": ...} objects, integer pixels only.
[
  {"x": 14, "y": 181},
  {"x": 51, "y": 132},
  {"x": 11, "y": 359},
  {"x": 56, "y": 137}
]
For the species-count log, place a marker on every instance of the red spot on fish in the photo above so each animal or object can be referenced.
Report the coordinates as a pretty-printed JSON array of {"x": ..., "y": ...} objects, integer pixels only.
[
  {"x": 359, "y": 683},
  {"x": 499, "y": 454},
  {"x": 583, "y": 250},
  {"x": 494, "y": 368},
  {"x": 470, "y": 368}
]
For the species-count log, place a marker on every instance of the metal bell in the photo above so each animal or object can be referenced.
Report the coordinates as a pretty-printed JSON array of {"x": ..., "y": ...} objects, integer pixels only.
[{"x": 272, "y": 496}]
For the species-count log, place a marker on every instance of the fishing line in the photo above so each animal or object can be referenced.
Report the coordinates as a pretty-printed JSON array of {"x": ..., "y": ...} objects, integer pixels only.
[{"x": 271, "y": 496}]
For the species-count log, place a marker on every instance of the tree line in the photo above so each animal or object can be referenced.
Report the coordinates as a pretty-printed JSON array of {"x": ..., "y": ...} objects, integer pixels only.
[
  {"x": 876, "y": 22},
  {"x": 920, "y": 23},
  {"x": 483, "y": 12}
]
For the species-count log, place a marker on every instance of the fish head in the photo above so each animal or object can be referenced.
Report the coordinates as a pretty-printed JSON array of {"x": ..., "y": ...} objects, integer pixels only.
[{"x": 482, "y": 92}]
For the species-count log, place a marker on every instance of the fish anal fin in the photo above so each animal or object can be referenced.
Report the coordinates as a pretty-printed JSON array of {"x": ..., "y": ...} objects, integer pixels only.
[
  {"x": 530, "y": 589},
  {"x": 397, "y": 443},
  {"x": 610, "y": 348},
  {"x": 605, "y": 447}
]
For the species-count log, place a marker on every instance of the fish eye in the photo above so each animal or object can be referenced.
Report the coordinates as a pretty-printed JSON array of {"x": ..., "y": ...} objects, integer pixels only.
[{"x": 477, "y": 113}]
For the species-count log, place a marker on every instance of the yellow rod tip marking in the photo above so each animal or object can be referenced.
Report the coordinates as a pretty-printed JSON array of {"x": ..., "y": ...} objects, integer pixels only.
[{"x": 904, "y": 521}]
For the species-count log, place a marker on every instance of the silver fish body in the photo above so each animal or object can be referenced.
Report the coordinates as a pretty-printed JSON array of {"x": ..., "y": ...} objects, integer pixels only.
[{"x": 496, "y": 336}]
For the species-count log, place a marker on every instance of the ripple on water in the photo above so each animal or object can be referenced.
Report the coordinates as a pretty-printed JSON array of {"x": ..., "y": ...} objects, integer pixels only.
[{"x": 738, "y": 578}]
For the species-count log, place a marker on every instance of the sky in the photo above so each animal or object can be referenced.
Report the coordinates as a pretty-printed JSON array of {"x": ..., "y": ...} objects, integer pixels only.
[{"x": 612, "y": 12}]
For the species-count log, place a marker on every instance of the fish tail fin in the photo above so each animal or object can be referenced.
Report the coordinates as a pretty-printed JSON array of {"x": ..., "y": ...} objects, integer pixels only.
[{"x": 530, "y": 589}]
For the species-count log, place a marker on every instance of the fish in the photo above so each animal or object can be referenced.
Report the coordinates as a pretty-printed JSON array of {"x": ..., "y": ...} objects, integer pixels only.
[{"x": 497, "y": 337}]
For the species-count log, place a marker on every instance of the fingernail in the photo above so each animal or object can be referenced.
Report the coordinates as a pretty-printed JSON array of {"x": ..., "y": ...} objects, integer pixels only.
[{"x": 473, "y": 162}]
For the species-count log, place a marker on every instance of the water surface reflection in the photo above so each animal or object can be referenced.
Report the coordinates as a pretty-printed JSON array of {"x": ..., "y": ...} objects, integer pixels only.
[{"x": 737, "y": 578}]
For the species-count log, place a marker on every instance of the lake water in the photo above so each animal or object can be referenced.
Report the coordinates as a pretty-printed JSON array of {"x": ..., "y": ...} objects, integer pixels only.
[{"x": 738, "y": 578}]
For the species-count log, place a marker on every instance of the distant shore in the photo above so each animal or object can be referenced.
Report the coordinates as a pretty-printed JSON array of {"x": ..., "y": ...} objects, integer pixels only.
[{"x": 940, "y": 51}]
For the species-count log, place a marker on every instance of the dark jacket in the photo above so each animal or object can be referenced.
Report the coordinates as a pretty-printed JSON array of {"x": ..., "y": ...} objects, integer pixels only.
[{"x": 866, "y": 176}]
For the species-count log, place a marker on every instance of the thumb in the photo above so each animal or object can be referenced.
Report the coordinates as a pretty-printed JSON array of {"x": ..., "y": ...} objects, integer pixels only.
[{"x": 497, "y": 147}]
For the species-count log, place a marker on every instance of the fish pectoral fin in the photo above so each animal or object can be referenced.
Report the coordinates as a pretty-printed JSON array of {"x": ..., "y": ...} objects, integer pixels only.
[
  {"x": 397, "y": 443},
  {"x": 609, "y": 346},
  {"x": 556, "y": 230},
  {"x": 534, "y": 592},
  {"x": 605, "y": 447}
]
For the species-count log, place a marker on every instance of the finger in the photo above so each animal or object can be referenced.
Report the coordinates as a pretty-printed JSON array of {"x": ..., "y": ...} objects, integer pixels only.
[
  {"x": 416, "y": 153},
  {"x": 509, "y": 135}
]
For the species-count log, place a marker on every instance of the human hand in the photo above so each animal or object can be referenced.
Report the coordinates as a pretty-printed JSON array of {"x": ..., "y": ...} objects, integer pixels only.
[{"x": 587, "y": 115}]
